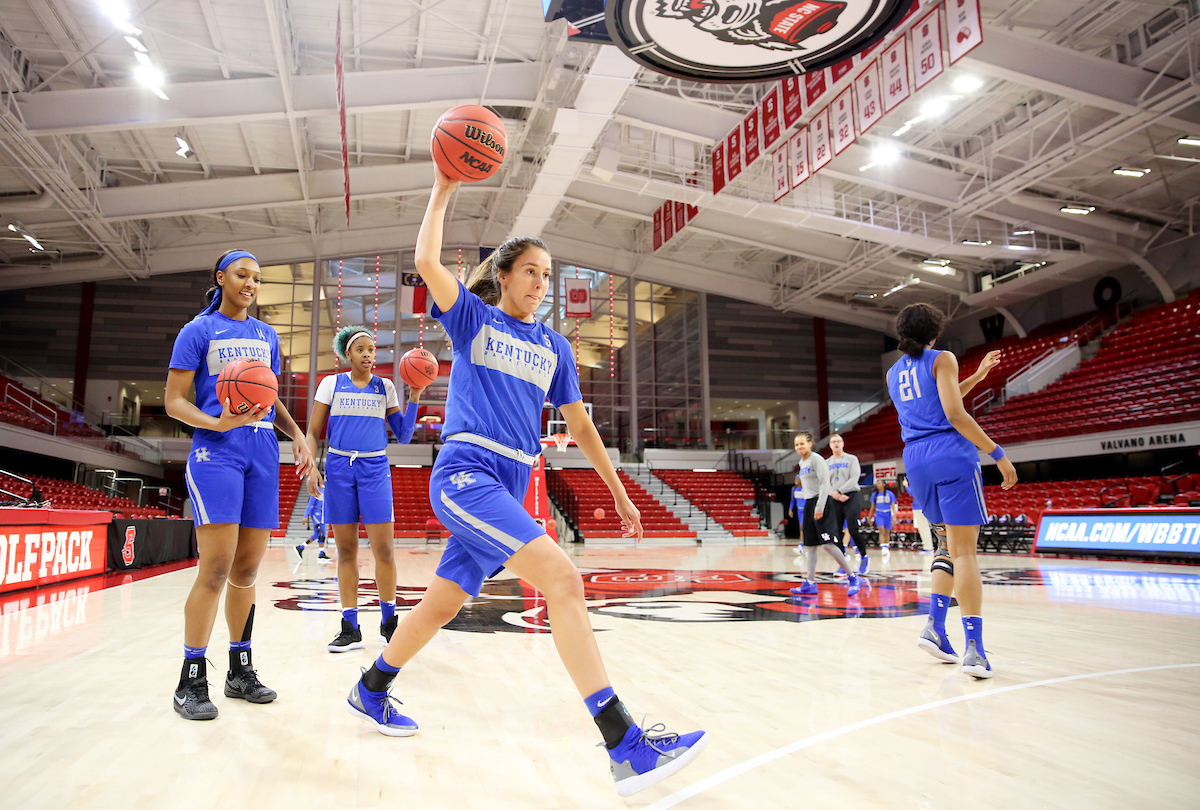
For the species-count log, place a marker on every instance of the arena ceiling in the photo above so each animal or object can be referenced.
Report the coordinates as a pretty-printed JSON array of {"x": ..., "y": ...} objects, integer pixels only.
[{"x": 92, "y": 170}]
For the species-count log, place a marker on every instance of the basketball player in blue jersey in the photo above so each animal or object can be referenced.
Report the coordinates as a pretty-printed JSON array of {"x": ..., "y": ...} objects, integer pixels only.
[
  {"x": 358, "y": 481},
  {"x": 232, "y": 477},
  {"x": 506, "y": 365},
  {"x": 941, "y": 459},
  {"x": 314, "y": 521},
  {"x": 883, "y": 509}
]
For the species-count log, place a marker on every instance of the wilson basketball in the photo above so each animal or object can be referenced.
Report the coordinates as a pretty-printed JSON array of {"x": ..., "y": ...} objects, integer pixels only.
[
  {"x": 246, "y": 383},
  {"x": 469, "y": 143},
  {"x": 418, "y": 368},
  {"x": 599, "y": 513}
]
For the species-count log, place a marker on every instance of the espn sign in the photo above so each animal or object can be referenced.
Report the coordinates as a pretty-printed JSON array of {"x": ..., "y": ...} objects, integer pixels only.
[{"x": 41, "y": 553}]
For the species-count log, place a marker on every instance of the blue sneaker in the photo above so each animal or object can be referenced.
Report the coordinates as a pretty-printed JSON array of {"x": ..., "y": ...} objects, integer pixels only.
[
  {"x": 936, "y": 644},
  {"x": 975, "y": 663},
  {"x": 644, "y": 758},
  {"x": 807, "y": 589},
  {"x": 855, "y": 585},
  {"x": 380, "y": 711},
  {"x": 864, "y": 564}
]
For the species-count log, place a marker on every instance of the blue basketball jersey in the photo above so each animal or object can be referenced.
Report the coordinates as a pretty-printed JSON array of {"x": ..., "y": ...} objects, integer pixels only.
[
  {"x": 913, "y": 389},
  {"x": 357, "y": 416},
  {"x": 503, "y": 371},
  {"x": 883, "y": 500},
  {"x": 208, "y": 343}
]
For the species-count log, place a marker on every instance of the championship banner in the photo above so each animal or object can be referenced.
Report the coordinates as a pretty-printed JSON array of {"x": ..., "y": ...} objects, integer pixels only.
[
  {"x": 781, "y": 172},
  {"x": 680, "y": 216},
  {"x": 843, "y": 121},
  {"x": 750, "y": 136},
  {"x": 927, "y": 49},
  {"x": 658, "y": 228},
  {"x": 579, "y": 297},
  {"x": 413, "y": 293},
  {"x": 793, "y": 100},
  {"x": 964, "y": 28},
  {"x": 815, "y": 85},
  {"x": 1120, "y": 532},
  {"x": 798, "y": 157},
  {"x": 866, "y": 98},
  {"x": 41, "y": 546},
  {"x": 895, "y": 74},
  {"x": 668, "y": 221},
  {"x": 822, "y": 151},
  {"x": 770, "y": 118},
  {"x": 718, "y": 167},
  {"x": 733, "y": 154}
]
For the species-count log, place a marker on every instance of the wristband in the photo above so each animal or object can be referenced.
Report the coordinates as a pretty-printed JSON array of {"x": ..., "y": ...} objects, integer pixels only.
[{"x": 997, "y": 454}]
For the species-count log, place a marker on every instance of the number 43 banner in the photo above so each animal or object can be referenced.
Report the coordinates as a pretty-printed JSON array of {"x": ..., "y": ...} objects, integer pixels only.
[{"x": 579, "y": 297}]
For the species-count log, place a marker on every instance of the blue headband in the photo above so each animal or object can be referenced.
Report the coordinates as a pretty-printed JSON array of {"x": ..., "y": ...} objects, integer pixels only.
[{"x": 228, "y": 259}]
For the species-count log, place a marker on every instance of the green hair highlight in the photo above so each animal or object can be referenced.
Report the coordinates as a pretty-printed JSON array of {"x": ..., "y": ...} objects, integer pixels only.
[{"x": 341, "y": 341}]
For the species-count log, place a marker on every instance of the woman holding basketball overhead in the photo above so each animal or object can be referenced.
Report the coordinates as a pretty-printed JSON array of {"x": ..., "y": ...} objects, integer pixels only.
[
  {"x": 941, "y": 458},
  {"x": 360, "y": 407},
  {"x": 506, "y": 365},
  {"x": 232, "y": 477}
]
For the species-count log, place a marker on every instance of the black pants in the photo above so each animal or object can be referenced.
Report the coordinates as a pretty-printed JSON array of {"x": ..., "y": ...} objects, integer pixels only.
[
  {"x": 818, "y": 532},
  {"x": 848, "y": 511}
]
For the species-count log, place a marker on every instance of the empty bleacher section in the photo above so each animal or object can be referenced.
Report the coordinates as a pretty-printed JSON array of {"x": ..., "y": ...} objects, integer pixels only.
[
  {"x": 724, "y": 496},
  {"x": 21, "y": 407},
  {"x": 68, "y": 495},
  {"x": 290, "y": 487},
  {"x": 1147, "y": 372},
  {"x": 578, "y": 493}
]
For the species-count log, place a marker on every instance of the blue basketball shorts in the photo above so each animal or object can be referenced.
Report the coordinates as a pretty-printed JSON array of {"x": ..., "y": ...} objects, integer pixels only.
[
  {"x": 362, "y": 489},
  {"x": 479, "y": 496},
  {"x": 233, "y": 477},
  {"x": 944, "y": 477},
  {"x": 883, "y": 518}
]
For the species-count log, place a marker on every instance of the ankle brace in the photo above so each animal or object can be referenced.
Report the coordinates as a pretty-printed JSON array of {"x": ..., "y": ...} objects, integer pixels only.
[{"x": 613, "y": 721}]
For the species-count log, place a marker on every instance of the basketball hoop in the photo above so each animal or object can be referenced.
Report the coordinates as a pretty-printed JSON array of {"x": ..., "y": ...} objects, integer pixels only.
[{"x": 561, "y": 440}]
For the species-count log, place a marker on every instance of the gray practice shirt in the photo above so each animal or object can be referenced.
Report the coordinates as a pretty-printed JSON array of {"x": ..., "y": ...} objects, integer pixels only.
[
  {"x": 844, "y": 473},
  {"x": 814, "y": 478}
]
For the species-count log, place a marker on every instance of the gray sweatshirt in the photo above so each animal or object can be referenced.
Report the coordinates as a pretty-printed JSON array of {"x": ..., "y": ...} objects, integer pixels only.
[
  {"x": 844, "y": 473},
  {"x": 814, "y": 478}
]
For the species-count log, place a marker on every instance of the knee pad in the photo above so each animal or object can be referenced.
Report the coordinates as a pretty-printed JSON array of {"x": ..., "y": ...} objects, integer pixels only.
[{"x": 942, "y": 562}]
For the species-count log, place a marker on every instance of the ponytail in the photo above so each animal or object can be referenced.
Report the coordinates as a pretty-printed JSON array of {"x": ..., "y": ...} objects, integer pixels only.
[
  {"x": 918, "y": 325},
  {"x": 213, "y": 295},
  {"x": 485, "y": 281}
]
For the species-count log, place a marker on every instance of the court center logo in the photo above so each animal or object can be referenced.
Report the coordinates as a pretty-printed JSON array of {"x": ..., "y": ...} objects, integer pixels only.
[{"x": 748, "y": 40}]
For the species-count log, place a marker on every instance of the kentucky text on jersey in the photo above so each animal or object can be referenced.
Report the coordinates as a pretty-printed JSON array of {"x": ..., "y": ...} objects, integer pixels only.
[{"x": 504, "y": 352}]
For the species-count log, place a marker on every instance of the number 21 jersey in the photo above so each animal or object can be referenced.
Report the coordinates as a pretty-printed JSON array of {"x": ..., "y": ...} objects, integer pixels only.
[{"x": 913, "y": 389}]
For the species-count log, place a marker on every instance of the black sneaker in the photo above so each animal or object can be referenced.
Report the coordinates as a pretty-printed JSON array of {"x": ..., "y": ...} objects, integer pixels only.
[
  {"x": 245, "y": 684},
  {"x": 191, "y": 696},
  {"x": 387, "y": 628},
  {"x": 349, "y": 639}
]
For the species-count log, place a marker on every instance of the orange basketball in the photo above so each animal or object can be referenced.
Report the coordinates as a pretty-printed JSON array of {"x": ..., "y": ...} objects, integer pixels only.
[
  {"x": 246, "y": 383},
  {"x": 599, "y": 513},
  {"x": 469, "y": 143},
  {"x": 418, "y": 368}
]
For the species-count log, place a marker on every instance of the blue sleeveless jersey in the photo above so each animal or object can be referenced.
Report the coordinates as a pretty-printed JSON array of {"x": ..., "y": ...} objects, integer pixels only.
[
  {"x": 357, "y": 416},
  {"x": 913, "y": 389},
  {"x": 208, "y": 343},
  {"x": 503, "y": 371}
]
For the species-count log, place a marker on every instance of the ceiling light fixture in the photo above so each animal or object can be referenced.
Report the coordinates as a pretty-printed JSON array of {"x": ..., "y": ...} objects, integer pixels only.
[
  {"x": 967, "y": 84},
  {"x": 1081, "y": 210},
  {"x": 19, "y": 230},
  {"x": 1188, "y": 140},
  {"x": 938, "y": 262},
  {"x": 1130, "y": 172},
  {"x": 185, "y": 150},
  {"x": 976, "y": 242},
  {"x": 1023, "y": 233},
  {"x": 115, "y": 10}
]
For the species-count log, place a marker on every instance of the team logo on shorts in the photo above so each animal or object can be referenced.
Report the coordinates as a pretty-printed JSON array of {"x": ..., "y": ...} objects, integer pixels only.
[
  {"x": 461, "y": 479},
  {"x": 202, "y": 454}
]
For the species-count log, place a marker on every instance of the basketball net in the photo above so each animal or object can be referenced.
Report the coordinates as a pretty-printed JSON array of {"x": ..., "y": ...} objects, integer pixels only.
[{"x": 561, "y": 440}]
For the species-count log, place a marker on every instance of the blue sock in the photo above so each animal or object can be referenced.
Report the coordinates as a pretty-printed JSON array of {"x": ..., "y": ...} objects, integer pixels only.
[
  {"x": 596, "y": 703},
  {"x": 194, "y": 652},
  {"x": 938, "y": 605},
  {"x": 239, "y": 645},
  {"x": 973, "y": 627},
  {"x": 351, "y": 615},
  {"x": 386, "y": 610}
]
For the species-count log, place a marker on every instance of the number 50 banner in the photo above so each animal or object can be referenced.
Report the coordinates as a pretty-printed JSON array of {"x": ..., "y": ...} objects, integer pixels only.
[{"x": 579, "y": 298}]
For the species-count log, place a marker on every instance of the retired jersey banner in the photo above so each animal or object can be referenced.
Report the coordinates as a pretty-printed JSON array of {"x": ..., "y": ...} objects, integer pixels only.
[
  {"x": 668, "y": 221},
  {"x": 680, "y": 216},
  {"x": 781, "y": 172},
  {"x": 815, "y": 85},
  {"x": 843, "y": 121},
  {"x": 770, "y": 118},
  {"x": 579, "y": 297},
  {"x": 895, "y": 74},
  {"x": 798, "y": 156},
  {"x": 964, "y": 28},
  {"x": 927, "y": 49},
  {"x": 841, "y": 69},
  {"x": 658, "y": 227},
  {"x": 822, "y": 149},
  {"x": 867, "y": 103},
  {"x": 792, "y": 91},
  {"x": 733, "y": 154},
  {"x": 718, "y": 167},
  {"x": 750, "y": 136}
]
